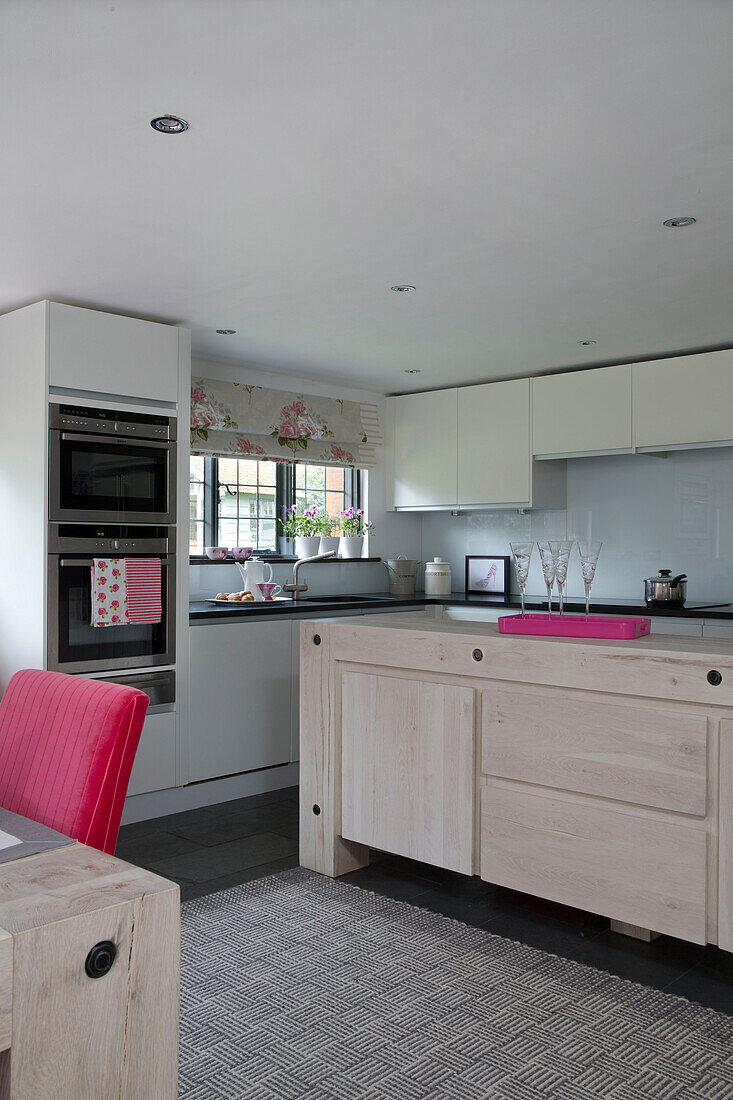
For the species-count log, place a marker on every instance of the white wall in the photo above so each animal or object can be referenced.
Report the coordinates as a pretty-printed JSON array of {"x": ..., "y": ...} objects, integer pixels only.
[
  {"x": 650, "y": 512},
  {"x": 394, "y": 533}
]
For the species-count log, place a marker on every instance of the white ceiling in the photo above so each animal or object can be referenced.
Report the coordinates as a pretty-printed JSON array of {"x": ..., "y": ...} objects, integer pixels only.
[{"x": 512, "y": 158}]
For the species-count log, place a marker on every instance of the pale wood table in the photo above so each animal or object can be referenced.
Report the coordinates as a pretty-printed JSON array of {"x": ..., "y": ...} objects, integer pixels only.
[{"x": 64, "y": 1034}]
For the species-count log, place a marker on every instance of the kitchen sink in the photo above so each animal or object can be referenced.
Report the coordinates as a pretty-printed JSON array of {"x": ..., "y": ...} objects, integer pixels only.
[{"x": 346, "y": 599}]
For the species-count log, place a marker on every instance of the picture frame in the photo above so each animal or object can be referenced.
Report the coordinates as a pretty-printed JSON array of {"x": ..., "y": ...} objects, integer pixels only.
[{"x": 487, "y": 575}]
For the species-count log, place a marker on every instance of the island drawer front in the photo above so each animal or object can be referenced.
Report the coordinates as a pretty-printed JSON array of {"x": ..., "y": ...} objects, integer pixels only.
[
  {"x": 630, "y": 868},
  {"x": 407, "y": 765},
  {"x": 674, "y": 672},
  {"x": 595, "y": 746}
]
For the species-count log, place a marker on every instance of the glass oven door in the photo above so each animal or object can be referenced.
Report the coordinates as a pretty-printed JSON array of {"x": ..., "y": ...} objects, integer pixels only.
[
  {"x": 108, "y": 480},
  {"x": 74, "y": 645}
]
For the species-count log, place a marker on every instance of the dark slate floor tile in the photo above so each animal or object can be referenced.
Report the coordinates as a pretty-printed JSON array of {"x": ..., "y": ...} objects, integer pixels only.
[
  {"x": 706, "y": 985},
  {"x": 192, "y": 890},
  {"x": 224, "y": 859},
  {"x": 165, "y": 824},
  {"x": 513, "y": 903},
  {"x": 384, "y": 881},
  {"x": 285, "y": 794},
  {"x": 145, "y": 850},
  {"x": 270, "y": 818},
  {"x": 557, "y": 937},
  {"x": 468, "y": 905},
  {"x": 654, "y": 964}
]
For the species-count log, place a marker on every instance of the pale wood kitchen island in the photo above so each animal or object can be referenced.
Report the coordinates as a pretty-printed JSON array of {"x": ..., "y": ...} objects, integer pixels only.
[{"x": 597, "y": 774}]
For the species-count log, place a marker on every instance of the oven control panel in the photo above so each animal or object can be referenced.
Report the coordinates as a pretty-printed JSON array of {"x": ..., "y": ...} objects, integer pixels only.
[{"x": 111, "y": 422}]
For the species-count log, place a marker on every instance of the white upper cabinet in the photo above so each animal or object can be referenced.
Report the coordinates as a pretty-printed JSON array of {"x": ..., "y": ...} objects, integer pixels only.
[
  {"x": 493, "y": 444},
  {"x": 684, "y": 402},
  {"x": 470, "y": 448},
  {"x": 106, "y": 353},
  {"x": 584, "y": 412},
  {"x": 425, "y": 469}
]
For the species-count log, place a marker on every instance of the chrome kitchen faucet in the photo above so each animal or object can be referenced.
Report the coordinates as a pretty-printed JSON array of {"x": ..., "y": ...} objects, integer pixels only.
[{"x": 296, "y": 588}]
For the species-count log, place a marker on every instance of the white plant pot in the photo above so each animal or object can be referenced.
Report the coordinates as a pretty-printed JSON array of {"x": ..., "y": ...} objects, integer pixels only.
[
  {"x": 329, "y": 542},
  {"x": 307, "y": 545},
  {"x": 351, "y": 546}
]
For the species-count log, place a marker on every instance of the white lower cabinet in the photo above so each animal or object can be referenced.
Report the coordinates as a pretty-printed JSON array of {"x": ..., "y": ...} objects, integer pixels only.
[
  {"x": 155, "y": 761},
  {"x": 241, "y": 697}
]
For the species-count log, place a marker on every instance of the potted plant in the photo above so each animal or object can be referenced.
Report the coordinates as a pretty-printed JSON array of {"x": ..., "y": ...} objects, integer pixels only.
[
  {"x": 305, "y": 528},
  {"x": 353, "y": 529},
  {"x": 330, "y": 532}
]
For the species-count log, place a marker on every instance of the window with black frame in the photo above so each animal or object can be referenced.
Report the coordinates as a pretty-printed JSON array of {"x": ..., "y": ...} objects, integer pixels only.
[{"x": 236, "y": 501}]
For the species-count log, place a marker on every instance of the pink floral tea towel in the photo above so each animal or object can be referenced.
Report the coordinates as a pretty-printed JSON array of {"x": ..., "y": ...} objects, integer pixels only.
[{"x": 109, "y": 592}]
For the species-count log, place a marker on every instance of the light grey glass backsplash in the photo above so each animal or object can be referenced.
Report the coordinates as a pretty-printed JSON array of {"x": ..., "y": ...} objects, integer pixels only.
[{"x": 650, "y": 512}]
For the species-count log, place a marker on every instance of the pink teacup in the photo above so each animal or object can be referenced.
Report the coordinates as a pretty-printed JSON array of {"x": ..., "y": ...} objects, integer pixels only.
[
  {"x": 241, "y": 553},
  {"x": 269, "y": 591}
]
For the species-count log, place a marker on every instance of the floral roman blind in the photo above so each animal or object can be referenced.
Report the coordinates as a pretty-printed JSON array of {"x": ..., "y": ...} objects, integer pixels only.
[{"x": 230, "y": 418}]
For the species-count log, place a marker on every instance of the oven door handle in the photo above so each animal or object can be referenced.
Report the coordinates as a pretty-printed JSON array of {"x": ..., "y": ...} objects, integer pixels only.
[
  {"x": 63, "y": 562},
  {"x": 125, "y": 441}
]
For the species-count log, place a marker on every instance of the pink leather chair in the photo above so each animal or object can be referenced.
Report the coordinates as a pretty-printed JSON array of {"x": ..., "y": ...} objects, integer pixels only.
[{"x": 67, "y": 745}]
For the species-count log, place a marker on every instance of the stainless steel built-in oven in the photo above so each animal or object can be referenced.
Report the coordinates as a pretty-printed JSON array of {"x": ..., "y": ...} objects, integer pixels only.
[
  {"x": 107, "y": 466},
  {"x": 74, "y": 645}
]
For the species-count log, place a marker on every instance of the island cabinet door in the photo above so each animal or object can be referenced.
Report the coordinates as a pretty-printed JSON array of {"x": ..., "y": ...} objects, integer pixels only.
[
  {"x": 407, "y": 767},
  {"x": 632, "y": 867}
]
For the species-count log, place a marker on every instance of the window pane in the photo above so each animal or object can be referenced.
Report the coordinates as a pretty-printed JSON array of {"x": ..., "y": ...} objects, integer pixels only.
[
  {"x": 197, "y": 467},
  {"x": 227, "y": 503},
  {"x": 247, "y": 500},
  {"x": 316, "y": 477},
  {"x": 300, "y": 477},
  {"x": 335, "y": 478},
  {"x": 196, "y": 538},
  {"x": 268, "y": 473},
  {"x": 227, "y": 470},
  {"x": 228, "y": 533},
  {"x": 267, "y": 534},
  {"x": 334, "y": 503},
  {"x": 247, "y": 470}
]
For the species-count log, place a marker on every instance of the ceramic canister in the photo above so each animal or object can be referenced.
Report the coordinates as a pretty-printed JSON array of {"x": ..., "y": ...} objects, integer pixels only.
[{"x": 437, "y": 578}]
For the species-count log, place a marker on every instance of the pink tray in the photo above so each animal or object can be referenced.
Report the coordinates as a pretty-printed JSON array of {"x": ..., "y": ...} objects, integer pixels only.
[{"x": 574, "y": 626}]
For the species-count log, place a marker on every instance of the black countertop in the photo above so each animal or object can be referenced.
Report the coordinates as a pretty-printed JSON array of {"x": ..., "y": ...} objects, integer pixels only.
[{"x": 322, "y": 605}]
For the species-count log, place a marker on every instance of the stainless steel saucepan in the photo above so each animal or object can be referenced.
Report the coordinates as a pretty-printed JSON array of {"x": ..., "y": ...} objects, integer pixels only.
[{"x": 666, "y": 590}]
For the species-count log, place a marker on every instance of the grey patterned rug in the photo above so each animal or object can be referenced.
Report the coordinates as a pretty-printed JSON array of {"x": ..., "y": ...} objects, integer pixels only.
[{"x": 299, "y": 988}]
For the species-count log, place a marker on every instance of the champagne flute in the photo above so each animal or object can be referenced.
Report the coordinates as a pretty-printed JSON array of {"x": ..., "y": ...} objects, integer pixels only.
[
  {"x": 562, "y": 548},
  {"x": 522, "y": 554},
  {"x": 589, "y": 551},
  {"x": 549, "y": 568}
]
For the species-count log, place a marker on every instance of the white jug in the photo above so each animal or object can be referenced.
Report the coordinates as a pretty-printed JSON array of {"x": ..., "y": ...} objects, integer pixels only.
[{"x": 255, "y": 571}]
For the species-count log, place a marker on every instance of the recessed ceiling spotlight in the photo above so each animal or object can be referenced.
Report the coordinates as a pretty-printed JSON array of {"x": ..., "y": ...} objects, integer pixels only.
[
  {"x": 226, "y": 331},
  {"x": 414, "y": 370},
  {"x": 169, "y": 124},
  {"x": 586, "y": 343},
  {"x": 402, "y": 288},
  {"x": 679, "y": 223}
]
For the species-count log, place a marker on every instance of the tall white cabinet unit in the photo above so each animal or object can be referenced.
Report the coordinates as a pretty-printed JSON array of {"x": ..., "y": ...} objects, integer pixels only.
[{"x": 53, "y": 352}]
